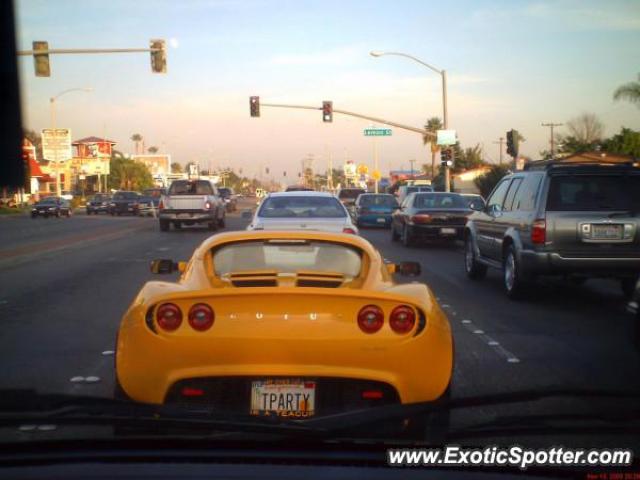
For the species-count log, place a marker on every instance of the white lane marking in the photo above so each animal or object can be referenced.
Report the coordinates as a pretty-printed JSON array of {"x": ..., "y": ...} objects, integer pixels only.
[
  {"x": 494, "y": 344},
  {"x": 445, "y": 305},
  {"x": 76, "y": 379},
  {"x": 4, "y": 302},
  {"x": 27, "y": 428},
  {"x": 47, "y": 428},
  {"x": 465, "y": 321},
  {"x": 92, "y": 379},
  {"x": 162, "y": 249},
  {"x": 108, "y": 352},
  {"x": 478, "y": 332}
]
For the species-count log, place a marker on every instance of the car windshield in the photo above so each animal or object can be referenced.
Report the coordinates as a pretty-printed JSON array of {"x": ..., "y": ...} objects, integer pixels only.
[
  {"x": 378, "y": 200},
  {"x": 351, "y": 194},
  {"x": 198, "y": 187},
  {"x": 125, "y": 196},
  {"x": 288, "y": 257},
  {"x": 594, "y": 193},
  {"x": 438, "y": 200},
  {"x": 48, "y": 201},
  {"x": 100, "y": 198},
  {"x": 299, "y": 206}
]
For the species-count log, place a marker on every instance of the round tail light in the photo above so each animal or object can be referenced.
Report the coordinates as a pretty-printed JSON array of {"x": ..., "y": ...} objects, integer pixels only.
[
  {"x": 169, "y": 316},
  {"x": 370, "y": 319},
  {"x": 201, "y": 317},
  {"x": 402, "y": 319}
]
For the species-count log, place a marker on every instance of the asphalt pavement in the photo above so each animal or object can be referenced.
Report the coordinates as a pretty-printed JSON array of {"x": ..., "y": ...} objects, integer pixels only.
[{"x": 65, "y": 284}]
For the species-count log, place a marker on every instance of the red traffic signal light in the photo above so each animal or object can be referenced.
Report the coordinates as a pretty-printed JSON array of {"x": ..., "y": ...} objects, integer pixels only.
[
  {"x": 327, "y": 111},
  {"x": 254, "y": 106}
]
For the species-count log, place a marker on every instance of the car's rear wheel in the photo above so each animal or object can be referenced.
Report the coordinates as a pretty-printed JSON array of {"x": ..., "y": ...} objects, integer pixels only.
[
  {"x": 222, "y": 222},
  {"x": 474, "y": 269},
  {"x": 628, "y": 286},
  {"x": 164, "y": 225},
  {"x": 407, "y": 238},
  {"x": 514, "y": 281},
  {"x": 177, "y": 225},
  {"x": 394, "y": 235},
  {"x": 432, "y": 427},
  {"x": 213, "y": 226}
]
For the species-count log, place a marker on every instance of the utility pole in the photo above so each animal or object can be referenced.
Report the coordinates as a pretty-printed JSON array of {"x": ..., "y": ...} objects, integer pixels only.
[
  {"x": 551, "y": 125},
  {"x": 412, "y": 162},
  {"x": 500, "y": 142}
]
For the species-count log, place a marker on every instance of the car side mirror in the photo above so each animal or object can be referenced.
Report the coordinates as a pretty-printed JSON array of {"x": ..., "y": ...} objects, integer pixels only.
[
  {"x": 495, "y": 210},
  {"x": 476, "y": 205},
  {"x": 164, "y": 266},
  {"x": 408, "y": 269}
]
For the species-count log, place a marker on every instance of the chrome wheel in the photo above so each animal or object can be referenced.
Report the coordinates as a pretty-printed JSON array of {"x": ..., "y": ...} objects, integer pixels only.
[
  {"x": 468, "y": 256},
  {"x": 509, "y": 271}
]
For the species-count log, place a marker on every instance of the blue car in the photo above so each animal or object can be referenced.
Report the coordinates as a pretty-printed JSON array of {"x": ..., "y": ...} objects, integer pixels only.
[{"x": 375, "y": 209}]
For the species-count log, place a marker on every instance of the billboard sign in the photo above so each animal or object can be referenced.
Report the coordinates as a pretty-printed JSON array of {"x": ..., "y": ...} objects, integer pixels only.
[{"x": 56, "y": 144}]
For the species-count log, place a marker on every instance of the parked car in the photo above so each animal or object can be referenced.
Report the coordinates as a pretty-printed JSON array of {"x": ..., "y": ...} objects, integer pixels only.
[
  {"x": 430, "y": 215},
  {"x": 375, "y": 209},
  {"x": 52, "y": 207},
  {"x": 229, "y": 197},
  {"x": 406, "y": 190},
  {"x": 98, "y": 203},
  {"x": 475, "y": 198},
  {"x": 190, "y": 202},
  {"x": 124, "y": 202},
  {"x": 302, "y": 211},
  {"x": 572, "y": 220},
  {"x": 348, "y": 197},
  {"x": 148, "y": 206}
]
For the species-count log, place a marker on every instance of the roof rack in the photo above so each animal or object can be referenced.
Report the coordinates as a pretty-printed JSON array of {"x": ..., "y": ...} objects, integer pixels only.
[{"x": 555, "y": 163}]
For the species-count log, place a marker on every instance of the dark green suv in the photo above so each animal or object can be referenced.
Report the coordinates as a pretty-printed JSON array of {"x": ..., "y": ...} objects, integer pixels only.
[{"x": 558, "y": 219}]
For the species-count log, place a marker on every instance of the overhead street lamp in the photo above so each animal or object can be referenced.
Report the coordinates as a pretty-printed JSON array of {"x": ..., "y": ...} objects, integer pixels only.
[
  {"x": 443, "y": 74},
  {"x": 52, "y": 102}
]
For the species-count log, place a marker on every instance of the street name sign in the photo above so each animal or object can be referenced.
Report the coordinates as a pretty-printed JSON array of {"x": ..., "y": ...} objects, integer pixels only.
[
  {"x": 377, "y": 132},
  {"x": 446, "y": 137}
]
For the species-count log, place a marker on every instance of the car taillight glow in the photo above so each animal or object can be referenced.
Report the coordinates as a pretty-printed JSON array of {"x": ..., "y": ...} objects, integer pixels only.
[
  {"x": 192, "y": 392},
  {"x": 539, "y": 232},
  {"x": 402, "y": 319},
  {"x": 372, "y": 394},
  {"x": 201, "y": 317},
  {"x": 169, "y": 316},
  {"x": 421, "y": 218},
  {"x": 348, "y": 230},
  {"x": 370, "y": 319},
  {"x": 207, "y": 206},
  {"x": 161, "y": 205}
]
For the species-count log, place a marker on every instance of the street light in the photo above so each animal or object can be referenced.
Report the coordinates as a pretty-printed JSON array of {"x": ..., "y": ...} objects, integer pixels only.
[
  {"x": 52, "y": 101},
  {"x": 443, "y": 74}
]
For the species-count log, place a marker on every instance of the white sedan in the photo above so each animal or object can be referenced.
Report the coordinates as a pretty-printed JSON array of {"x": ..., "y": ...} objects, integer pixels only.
[{"x": 302, "y": 211}]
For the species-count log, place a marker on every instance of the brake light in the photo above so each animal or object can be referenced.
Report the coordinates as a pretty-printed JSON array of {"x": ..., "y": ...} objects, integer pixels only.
[
  {"x": 207, "y": 206},
  {"x": 539, "y": 232},
  {"x": 192, "y": 392},
  {"x": 402, "y": 319},
  {"x": 201, "y": 317},
  {"x": 421, "y": 218},
  {"x": 370, "y": 319},
  {"x": 372, "y": 394},
  {"x": 169, "y": 316},
  {"x": 348, "y": 230},
  {"x": 161, "y": 205}
]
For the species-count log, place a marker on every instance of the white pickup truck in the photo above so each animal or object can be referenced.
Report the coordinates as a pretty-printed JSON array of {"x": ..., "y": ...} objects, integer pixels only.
[{"x": 189, "y": 202}]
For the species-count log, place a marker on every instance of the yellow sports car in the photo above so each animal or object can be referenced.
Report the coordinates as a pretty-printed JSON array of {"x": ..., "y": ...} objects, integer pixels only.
[{"x": 289, "y": 324}]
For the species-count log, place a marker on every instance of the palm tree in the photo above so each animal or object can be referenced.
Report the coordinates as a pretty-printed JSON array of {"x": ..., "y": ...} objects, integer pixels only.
[
  {"x": 152, "y": 150},
  {"x": 137, "y": 138},
  {"x": 629, "y": 91},
  {"x": 433, "y": 125}
]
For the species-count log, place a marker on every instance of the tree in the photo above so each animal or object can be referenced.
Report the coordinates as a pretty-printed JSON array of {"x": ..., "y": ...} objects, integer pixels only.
[
  {"x": 36, "y": 140},
  {"x": 127, "y": 174},
  {"x": 176, "y": 167},
  {"x": 136, "y": 138},
  {"x": 487, "y": 182},
  {"x": 467, "y": 159},
  {"x": 627, "y": 142},
  {"x": 586, "y": 129},
  {"x": 152, "y": 150},
  {"x": 433, "y": 125},
  {"x": 629, "y": 91}
]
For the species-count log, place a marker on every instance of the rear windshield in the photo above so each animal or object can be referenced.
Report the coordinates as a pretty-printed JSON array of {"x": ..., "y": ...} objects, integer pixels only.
[
  {"x": 594, "y": 192},
  {"x": 125, "y": 196},
  {"x": 302, "y": 207},
  {"x": 224, "y": 192},
  {"x": 288, "y": 256},
  {"x": 48, "y": 201},
  {"x": 378, "y": 200},
  {"x": 100, "y": 198},
  {"x": 419, "y": 189},
  {"x": 153, "y": 192},
  {"x": 352, "y": 193},
  {"x": 434, "y": 200},
  {"x": 186, "y": 187}
]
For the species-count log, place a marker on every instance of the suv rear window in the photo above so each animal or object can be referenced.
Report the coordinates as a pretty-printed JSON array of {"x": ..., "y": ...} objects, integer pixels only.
[
  {"x": 302, "y": 207},
  {"x": 594, "y": 192},
  {"x": 185, "y": 187},
  {"x": 351, "y": 193}
]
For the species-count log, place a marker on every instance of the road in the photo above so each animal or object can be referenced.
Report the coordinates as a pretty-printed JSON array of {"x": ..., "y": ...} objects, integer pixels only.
[{"x": 66, "y": 283}]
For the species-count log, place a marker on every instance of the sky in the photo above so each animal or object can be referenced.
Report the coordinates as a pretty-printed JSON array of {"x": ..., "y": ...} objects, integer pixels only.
[{"x": 510, "y": 64}]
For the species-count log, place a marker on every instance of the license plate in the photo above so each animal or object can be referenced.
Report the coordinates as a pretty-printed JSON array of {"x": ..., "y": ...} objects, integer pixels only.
[
  {"x": 381, "y": 220},
  {"x": 606, "y": 232},
  {"x": 283, "y": 398},
  {"x": 448, "y": 231}
]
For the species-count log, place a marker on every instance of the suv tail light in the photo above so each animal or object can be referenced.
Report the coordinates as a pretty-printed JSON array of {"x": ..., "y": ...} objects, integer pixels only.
[
  {"x": 370, "y": 319},
  {"x": 207, "y": 206},
  {"x": 421, "y": 218},
  {"x": 201, "y": 317},
  {"x": 348, "y": 230},
  {"x": 169, "y": 316},
  {"x": 402, "y": 319},
  {"x": 161, "y": 205},
  {"x": 539, "y": 232}
]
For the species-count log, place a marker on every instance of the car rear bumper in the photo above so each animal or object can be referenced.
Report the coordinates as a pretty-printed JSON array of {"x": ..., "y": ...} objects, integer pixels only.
[
  {"x": 380, "y": 219},
  {"x": 553, "y": 263},
  {"x": 188, "y": 215},
  {"x": 437, "y": 231}
]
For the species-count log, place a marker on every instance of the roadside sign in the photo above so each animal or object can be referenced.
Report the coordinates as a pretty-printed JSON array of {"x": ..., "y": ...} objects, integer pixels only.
[
  {"x": 363, "y": 169},
  {"x": 376, "y": 175},
  {"x": 56, "y": 144},
  {"x": 446, "y": 137},
  {"x": 377, "y": 132}
]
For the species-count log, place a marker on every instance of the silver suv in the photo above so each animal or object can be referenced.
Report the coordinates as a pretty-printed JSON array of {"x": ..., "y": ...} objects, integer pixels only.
[{"x": 572, "y": 220}]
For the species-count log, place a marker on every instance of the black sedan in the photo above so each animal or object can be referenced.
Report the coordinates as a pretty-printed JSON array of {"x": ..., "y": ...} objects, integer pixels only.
[
  {"x": 430, "y": 215},
  {"x": 52, "y": 207},
  {"x": 124, "y": 202},
  {"x": 98, "y": 203}
]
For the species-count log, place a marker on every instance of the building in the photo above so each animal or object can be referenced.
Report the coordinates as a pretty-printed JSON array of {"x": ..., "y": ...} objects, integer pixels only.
[{"x": 464, "y": 182}]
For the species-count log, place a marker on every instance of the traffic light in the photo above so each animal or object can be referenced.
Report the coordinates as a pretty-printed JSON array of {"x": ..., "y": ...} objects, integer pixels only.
[
  {"x": 513, "y": 140},
  {"x": 41, "y": 60},
  {"x": 266, "y": 170},
  {"x": 158, "y": 56},
  {"x": 284, "y": 174},
  {"x": 327, "y": 111},
  {"x": 254, "y": 105},
  {"x": 446, "y": 157}
]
